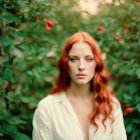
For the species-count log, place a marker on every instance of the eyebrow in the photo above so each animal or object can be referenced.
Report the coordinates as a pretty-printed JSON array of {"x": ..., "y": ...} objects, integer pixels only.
[{"x": 85, "y": 56}]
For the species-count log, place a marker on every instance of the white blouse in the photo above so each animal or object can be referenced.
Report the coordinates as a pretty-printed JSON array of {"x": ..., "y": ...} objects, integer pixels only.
[{"x": 55, "y": 119}]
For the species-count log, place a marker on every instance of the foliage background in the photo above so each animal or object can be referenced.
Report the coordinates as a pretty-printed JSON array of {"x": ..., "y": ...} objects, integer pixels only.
[{"x": 29, "y": 54}]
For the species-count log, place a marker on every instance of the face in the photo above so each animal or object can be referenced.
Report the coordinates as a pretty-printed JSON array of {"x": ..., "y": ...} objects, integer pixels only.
[{"x": 81, "y": 63}]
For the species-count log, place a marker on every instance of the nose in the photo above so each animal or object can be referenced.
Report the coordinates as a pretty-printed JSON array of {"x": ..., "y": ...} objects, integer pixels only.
[{"x": 81, "y": 66}]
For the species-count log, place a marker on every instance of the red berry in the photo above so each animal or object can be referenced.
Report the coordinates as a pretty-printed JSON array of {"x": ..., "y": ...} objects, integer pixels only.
[
  {"x": 127, "y": 110},
  {"x": 138, "y": 1},
  {"x": 117, "y": 39},
  {"x": 101, "y": 28},
  {"x": 37, "y": 20},
  {"x": 49, "y": 25}
]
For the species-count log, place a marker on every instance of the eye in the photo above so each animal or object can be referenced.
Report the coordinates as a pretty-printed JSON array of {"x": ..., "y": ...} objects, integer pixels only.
[
  {"x": 89, "y": 59},
  {"x": 73, "y": 59}
]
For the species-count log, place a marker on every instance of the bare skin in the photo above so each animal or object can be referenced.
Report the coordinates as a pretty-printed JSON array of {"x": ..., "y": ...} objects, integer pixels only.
[{"x": 82, "y": 105}]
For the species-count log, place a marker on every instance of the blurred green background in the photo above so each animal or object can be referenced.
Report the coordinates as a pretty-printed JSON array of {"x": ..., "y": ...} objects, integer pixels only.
[{"x": 29, "y": 51}]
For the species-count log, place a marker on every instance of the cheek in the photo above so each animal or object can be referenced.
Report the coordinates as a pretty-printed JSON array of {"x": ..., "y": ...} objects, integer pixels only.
[
  {"x": 72, "y": 68},
  {"x": 92, "y": 65}
]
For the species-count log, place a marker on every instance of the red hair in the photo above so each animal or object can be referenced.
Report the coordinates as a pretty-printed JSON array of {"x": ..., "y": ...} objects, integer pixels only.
[{"x": 103, "y": 97}]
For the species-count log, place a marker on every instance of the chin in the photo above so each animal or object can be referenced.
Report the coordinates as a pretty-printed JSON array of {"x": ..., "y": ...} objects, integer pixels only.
[{"x": 81, "y": 82}]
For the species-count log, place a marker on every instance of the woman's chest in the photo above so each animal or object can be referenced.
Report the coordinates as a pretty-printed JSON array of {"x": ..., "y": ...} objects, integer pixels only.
[
  {"x": 82, "y": 112},
  {"x": 72, "y": 124}
]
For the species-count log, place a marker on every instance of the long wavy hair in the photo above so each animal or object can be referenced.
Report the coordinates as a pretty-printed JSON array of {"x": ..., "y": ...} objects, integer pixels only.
[{"x": 103, "y": 96}]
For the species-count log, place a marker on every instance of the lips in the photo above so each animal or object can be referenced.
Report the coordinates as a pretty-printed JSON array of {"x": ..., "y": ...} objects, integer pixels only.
[{"x": 81, "y": 75}]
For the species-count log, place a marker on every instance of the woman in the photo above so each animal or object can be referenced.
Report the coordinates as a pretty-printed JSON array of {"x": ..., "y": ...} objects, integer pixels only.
[{"x": 80, "y": 105}]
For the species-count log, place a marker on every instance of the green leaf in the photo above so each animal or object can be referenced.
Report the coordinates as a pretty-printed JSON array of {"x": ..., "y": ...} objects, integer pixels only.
[
  {"x": 130, "y": 127},
  {"x": 136, "y": 120},
  {"x": 138, "y": 107},
  {"x": 16, "y": 120},
  {"x": 133, "y": 88},
  {"x": 127, "y": 97},
  {"x": 8, "y": 75},
  {"x": 6, "y": 41},
  {"x": 7, "y": 64},
  {"x": 29, "y": 100},
  {"x": 23, "y": 99},
  {"x": 4, "y": 116},
  {"x": 9, "y": 17},
  {"x": 10, "y": 130},
  {"x": 21, "y": 136},
  {"x": 135, "y": 133},
  {"x": 131, "y": 71},
  {"x": 1, "y": 81},
  {"x": 138, "y": 73},
  {"x": 7, "y": 96},
  {"x": 22, "y": 3}
]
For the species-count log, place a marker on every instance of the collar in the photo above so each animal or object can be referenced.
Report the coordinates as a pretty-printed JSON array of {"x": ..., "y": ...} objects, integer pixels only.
[{"x": 62, "y": 97}]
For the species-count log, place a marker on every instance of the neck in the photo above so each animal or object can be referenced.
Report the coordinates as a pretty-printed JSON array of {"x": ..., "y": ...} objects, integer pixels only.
[{"x": 79, "y": 91}]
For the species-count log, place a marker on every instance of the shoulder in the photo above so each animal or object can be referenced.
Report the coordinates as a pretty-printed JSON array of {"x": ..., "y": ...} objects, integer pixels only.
[
  {"x": 116, "y": 106},
  {"x": 115, "y": 101},
  {"x": 49, "y": 101}
]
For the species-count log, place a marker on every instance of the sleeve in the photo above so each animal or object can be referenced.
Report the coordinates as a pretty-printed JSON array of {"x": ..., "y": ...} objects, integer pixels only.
[
  {"x": 42, "y": 127},
  {"x": 119, "y": 132}
]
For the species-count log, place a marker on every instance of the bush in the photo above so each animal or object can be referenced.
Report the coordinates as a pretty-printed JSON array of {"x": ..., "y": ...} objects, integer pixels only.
[{"x": 32, "y": 36}]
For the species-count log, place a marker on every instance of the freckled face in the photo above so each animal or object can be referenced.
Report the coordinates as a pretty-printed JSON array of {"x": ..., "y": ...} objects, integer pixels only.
[{"x": 81, "y": 63}]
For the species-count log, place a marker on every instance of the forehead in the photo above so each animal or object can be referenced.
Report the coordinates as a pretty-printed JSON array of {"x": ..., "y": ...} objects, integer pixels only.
[{"x": 80, "y": 49}]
